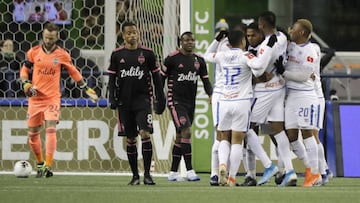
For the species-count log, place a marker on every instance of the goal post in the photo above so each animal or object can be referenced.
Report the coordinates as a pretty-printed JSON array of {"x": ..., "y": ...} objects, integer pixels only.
[{"x": 87, "y": 132}]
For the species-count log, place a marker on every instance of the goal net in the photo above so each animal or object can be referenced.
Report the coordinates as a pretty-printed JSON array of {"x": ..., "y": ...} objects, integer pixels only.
[{"x": 87, "y": 132}]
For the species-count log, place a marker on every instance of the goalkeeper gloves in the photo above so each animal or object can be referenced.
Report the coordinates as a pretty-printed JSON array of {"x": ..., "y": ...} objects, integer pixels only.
[
  {"x": 29, "y": 88},
  {"x": 92, "y": 94}
]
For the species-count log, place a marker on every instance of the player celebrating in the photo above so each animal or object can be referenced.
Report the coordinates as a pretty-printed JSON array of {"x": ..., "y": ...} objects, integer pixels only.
[
  {"x": 254, "y": 37},
  {"x": 181, "y": 69},
  {"x": 301, "y": 101},
  {"x": 269, "y": 94},
  {"x": 130, "y": 92},
  {"x": 46, "y": 61},
  {"x": 235, "y": 100}
]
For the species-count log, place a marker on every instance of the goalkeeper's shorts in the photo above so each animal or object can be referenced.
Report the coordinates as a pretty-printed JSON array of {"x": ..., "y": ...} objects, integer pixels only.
[{"x": 41, "y": 110}]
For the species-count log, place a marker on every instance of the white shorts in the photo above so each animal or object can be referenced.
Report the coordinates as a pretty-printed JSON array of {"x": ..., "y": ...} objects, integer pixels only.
[
  {"x": 320, "y": 113},
  {"x": 301, "y": 110},
  {"x": 215, "y": 107},
  {"x": 269, "y": 106},
  {"x": 234, "y": 115}
]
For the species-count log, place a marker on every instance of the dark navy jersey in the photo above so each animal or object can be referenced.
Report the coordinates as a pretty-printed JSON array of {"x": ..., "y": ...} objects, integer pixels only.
[
  {"x": 132, "y": 69},
  {"x": 182, "y": 72}
]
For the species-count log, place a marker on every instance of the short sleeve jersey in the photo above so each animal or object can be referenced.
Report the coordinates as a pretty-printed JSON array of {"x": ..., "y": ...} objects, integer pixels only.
[
  {"x": 182, "y": 72},
  {"x": 132, "y": 69},
  {"x": 46, "y": 71}
]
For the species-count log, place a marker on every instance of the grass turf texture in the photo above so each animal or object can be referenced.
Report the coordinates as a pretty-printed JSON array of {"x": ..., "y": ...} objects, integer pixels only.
[{"x": 105, "y": 189}]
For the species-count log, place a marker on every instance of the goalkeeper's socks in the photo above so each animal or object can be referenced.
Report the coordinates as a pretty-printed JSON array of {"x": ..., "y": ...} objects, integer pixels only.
[
  {"x": 147, "y": 154},
  {"x": 132, "y": 156},
  {"x": 36, "y": 145},
  {"x": 186, "y": 152},
  {"x": 176, "y": 157}
]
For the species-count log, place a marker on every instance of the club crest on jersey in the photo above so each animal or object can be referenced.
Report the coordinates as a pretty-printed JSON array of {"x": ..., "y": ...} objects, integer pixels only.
[
  {"x": 56, "y": 61},
  {"x": 141, "y": 59},
  {"x": 310, "y": 59}
]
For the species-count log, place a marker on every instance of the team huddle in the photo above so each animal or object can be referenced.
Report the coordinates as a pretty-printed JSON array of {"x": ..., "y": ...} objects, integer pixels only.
[
  {"x": 284, "y": 92},
  {"x": 262, "y": 76}
]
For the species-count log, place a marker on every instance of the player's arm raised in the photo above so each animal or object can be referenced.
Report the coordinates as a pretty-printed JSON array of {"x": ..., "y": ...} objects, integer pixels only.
[{"x": 212, "y": 49}]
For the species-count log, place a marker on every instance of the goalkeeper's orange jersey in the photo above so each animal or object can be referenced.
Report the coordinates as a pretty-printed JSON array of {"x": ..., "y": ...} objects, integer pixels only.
[{"x": 46, "y": 71}]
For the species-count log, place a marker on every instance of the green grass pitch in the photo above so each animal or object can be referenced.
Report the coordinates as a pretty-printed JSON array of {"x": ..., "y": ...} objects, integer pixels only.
[{"x": 96, "y": 189}]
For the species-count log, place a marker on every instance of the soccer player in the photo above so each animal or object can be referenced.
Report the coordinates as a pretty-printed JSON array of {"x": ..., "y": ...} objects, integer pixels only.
[
  {"x": 254, "y": 38},
  {"x": 130, "y": 92},
  {"x": 269, "y": 94},
  {"x": 300, "y": 113},
  {"x": 235, "y": 101},
  {"x": 218, "y": 85},
  {"x": 46, "y": 61},
  {"x": 217, "y": 91},
  {"x": 181, "y": 69}
]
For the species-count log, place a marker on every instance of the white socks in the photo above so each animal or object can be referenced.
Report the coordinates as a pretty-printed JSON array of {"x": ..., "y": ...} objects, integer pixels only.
[
  {"x": 215, "y": 158},
  {"x": 223, "y": 152},
  {"x": 299, "y": 150},
  {"x": 235, "y": 159},
  {"x": 322, "y": 160},
  {"x": 251, "y": 162},
  {"x": 256, "y": 147},
  {"x": 284, "y": 150},
  {"x": 312, "y": 152}
]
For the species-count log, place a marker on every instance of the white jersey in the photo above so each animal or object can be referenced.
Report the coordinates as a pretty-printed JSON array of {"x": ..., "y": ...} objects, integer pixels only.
[
  {"x": 318, "y": 86},
  {"x": 268, "y": 62},
  {"x": 237, "y": 74},
  {"x": 302, "y": 61}
]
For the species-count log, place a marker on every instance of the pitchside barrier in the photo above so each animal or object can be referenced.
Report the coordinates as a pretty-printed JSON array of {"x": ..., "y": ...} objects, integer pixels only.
[{"x": 88, "y": 141}]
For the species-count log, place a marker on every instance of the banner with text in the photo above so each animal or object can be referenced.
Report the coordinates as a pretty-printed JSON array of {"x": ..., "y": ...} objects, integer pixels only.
[{"x": 202, "y": 25}]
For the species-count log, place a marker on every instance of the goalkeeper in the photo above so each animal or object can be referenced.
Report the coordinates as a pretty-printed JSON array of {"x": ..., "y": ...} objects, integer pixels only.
[{"x": 46, "y": 61}]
